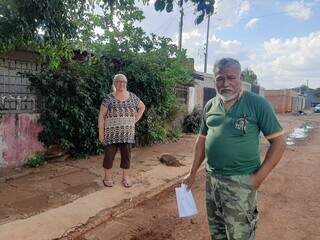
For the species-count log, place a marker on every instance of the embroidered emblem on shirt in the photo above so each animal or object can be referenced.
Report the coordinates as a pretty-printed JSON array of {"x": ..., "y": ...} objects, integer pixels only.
[{"x": 241, "y": 123}]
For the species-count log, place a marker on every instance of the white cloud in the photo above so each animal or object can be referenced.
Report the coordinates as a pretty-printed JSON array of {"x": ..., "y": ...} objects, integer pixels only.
[
  {"x": 299, "y": 10},
  {"x": 244, "y": 8},
  {"x": 229, "y": 12},
  {"x": 290, "y": 62},
  {"x": 194, "y": 42},
  {"x": 253, "y": 56},
  {"x": 190, "y": 38},
  {"x": 252, "y": 23},
  {"x": 225, "y": 46},
  {"x": 190, "y": 35}
]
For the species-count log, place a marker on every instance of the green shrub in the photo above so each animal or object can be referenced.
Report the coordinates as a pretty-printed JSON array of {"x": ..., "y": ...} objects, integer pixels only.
[
  {"x": 73, "y": 95},
  {"x": 174, "y": 134},
  {"x": 192, "y": 121},
  {"x": 35, "y": 161}
]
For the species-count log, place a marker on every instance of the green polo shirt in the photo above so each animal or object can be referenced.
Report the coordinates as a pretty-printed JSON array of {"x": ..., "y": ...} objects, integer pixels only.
[{"x": 232, "y": 136}]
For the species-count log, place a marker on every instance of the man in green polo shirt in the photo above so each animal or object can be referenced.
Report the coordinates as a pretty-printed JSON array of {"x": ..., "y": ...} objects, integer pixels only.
[{"x": 229, "y": 140}]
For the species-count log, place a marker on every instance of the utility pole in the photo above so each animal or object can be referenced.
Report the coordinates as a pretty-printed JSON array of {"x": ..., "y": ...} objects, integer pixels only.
[
  {"x": 180, "y": 24},
  {"x": 206, "y": 53}
]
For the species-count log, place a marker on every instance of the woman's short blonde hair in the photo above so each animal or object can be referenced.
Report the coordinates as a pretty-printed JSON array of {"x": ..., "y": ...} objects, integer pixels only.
[{"x": 116, "y": 77}]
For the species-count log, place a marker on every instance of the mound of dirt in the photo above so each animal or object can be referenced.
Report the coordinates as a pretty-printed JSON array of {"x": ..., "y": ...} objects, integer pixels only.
[{"x": 170, "y": 160}]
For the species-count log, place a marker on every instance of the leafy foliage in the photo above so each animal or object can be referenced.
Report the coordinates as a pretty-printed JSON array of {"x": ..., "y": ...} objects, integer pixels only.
[
  {"x": 54, "y": 28},
  {"x": 192, "y": 121},
  {"x": 249, "y": 76},
  {"x": 40, "y": 25},
  {"x": 73, "y": 90},
  {"x": 36, "y": 161},
  {"x": 73, "y": 95},
  {"x": 202, "y": 7}
]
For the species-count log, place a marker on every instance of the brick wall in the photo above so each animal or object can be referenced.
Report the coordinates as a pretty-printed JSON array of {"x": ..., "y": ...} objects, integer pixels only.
[{"x": 285, "y": 101}]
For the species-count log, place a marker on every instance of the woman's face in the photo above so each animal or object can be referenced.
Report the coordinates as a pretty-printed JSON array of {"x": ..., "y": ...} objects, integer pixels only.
[{"x": 120, "y": 85}]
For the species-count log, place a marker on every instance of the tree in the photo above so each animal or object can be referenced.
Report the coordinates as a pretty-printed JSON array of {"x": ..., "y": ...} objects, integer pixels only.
[
  {"x": 24, "y": 22},
  {"x": 203, "y": 7},
  {"x": 249, "y": 76},
  {"x": 74, "y": 90},
  {"x": 120, "y": 34},
  {"x": 303, "y": 88},
  {"x": 54, "y": 28},
  {"x": 49, "y": 27}
]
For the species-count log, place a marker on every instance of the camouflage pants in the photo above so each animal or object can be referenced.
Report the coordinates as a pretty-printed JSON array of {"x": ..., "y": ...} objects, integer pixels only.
[{"x": 231, "y": 207}]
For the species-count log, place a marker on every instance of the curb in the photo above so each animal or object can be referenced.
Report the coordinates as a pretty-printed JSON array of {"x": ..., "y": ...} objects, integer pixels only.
[{"x": 107, "y": 214}]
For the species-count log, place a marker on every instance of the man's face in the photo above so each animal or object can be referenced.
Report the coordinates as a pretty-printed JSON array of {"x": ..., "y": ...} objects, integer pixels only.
[{"x": 228, "y": 81}]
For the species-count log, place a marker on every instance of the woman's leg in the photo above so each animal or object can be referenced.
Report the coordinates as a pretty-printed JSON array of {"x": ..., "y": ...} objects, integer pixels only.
[
  {"x": 125, "y": 150},
  {"x": 109, "y": 154}
]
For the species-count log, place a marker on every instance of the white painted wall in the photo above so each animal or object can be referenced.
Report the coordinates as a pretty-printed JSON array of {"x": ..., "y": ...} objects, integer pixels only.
[{"x": 191, "y": 99}]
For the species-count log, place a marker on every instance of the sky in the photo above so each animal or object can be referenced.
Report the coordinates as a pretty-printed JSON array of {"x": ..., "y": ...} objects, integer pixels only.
[{"x": 278, "y": 40}]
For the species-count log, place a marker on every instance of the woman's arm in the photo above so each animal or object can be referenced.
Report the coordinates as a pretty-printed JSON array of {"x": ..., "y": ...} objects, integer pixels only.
[
  {"x": 101, "y": 121},
  {"x": 141, "y": 108}
]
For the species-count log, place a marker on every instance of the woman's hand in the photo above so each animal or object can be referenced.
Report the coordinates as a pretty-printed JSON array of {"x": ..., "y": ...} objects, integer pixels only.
[{"x": 101, "y": 138}]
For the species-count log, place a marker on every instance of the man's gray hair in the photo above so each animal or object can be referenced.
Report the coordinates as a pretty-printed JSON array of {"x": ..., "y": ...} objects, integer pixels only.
[
  {"x": 116, "y": 77},
  {"x": 225, "y": 62}
]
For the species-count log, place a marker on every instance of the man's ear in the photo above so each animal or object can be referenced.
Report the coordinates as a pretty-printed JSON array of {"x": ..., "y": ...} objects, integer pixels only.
[{"x": 241, "y": 76}]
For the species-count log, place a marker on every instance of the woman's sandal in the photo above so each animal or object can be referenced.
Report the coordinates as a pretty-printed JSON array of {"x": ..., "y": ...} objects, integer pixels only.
[
  {"x": 126, "y": 183},
  {"x": 108, "y": 183}
]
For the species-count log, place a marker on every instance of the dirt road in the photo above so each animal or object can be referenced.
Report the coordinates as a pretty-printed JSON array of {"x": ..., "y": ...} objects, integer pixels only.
[{"x": 289, "y": 204}]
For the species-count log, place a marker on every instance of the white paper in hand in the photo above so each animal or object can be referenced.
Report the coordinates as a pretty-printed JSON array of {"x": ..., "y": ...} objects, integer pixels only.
[{"x": 186, "y": 204}]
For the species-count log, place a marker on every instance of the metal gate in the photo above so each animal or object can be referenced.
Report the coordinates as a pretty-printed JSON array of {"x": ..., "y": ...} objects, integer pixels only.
[
  {"x": 208, "y": 93},
  {"x": 255, "y": 88}
]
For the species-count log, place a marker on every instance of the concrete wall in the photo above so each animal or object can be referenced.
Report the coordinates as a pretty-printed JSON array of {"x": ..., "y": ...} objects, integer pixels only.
[
  {"x": 15, "y": 93},
  {"x": 18, "y": 138},
  {"x": 199, "y": 97},
  {"x": 191, "y": 99},
  {"x": 298, "y": 103},
  {"x": 246, "y": 86},
  {"x": 202, "y": 80},
  {"x": 195, "y": 98},
  {"x": 261, "y": 93},
  {"x": 207, "y": 79},
  {"x": 19, "y": 127}
]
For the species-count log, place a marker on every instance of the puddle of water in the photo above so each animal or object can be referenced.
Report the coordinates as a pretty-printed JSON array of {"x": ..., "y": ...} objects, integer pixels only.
[
  {"x": 290, "y": 142},
  {"x": 299, "y": 133}
]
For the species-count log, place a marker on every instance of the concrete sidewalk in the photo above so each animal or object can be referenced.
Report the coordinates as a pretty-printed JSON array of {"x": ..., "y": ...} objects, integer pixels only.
[{"x": 148, "y": 174}]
